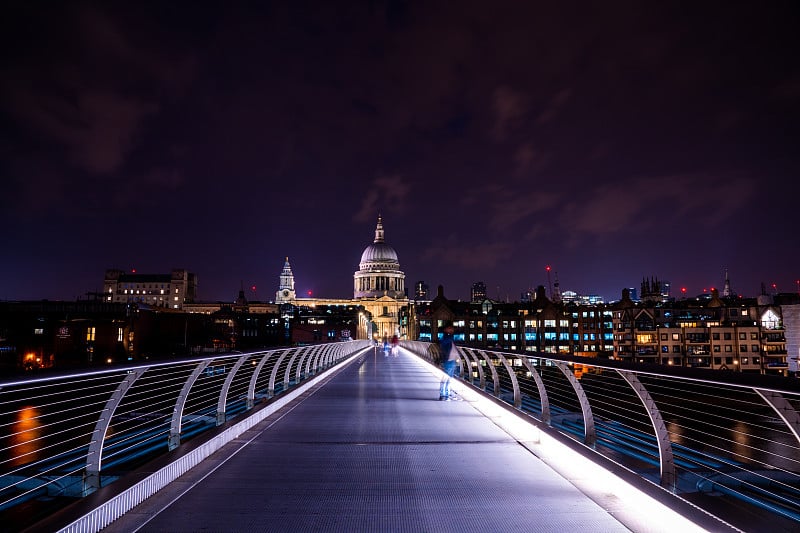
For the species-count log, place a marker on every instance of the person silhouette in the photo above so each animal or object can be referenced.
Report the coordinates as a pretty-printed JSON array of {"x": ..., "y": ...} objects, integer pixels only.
[{"x": 449, "y": 357}]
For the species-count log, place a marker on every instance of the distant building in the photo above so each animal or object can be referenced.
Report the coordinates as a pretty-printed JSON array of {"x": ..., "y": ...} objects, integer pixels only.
[
  {"x": 421, "y": 291},
  {"x": 758, "y": 335},
  {"x": 478, "y": 292},
  {"x": 286, "y": 292},
  {"x": 169, "y": 291},
  {"x": 379, "y": 294}
]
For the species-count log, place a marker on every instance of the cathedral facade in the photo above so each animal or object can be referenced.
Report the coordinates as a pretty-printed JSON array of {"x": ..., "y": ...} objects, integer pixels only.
[{"x": 378, "y": 287}]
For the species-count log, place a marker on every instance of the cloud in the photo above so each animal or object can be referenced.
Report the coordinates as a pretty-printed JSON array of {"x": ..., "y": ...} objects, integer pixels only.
[
  {"x": 476, "y": 256},
  {"x": 554, "y": 106},
  {"x": 387, "y": 194},
  {"x": 503, "y": 206},
  {"x": 97, "y": 129},
  {"x": 653, "y": 205},
  {"x": 527, "y": 159},
  {"x": 509, "y": 106}
]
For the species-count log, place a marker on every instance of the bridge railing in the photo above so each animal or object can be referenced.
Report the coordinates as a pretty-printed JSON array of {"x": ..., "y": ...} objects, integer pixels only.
[
  {"x": 64, "y": 437},
  {"x": 695, "y": 433}
]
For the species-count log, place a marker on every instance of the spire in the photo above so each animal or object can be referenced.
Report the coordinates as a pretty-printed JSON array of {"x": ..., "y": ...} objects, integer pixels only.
[
  {"x": 379, "y": 230},
  {"x": 726, "y": 289},
  {"x": 556, "y": 290},
  {"x": 286, "y": 286}
]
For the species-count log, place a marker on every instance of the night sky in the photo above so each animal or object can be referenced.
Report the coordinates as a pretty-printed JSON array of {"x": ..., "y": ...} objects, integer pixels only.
[{"x": 614, "y": 141}]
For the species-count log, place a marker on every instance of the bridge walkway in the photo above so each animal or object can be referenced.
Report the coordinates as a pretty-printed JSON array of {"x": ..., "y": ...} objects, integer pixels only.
[{"x": 373, "y": 449}]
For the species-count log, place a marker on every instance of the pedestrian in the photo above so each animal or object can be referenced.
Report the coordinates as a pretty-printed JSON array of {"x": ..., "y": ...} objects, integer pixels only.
[
  {"x": 386, "y": 347},
  {"x": 395, "y": 344},
  {"x": 449, "y": 356}
]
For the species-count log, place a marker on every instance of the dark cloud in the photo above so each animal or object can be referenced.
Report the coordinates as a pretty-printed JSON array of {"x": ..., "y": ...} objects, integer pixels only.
[{"x": 493, "y": 139}]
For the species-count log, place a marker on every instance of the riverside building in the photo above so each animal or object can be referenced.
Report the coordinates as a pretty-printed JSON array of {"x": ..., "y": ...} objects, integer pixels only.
[{"x": 727, "y": 334}]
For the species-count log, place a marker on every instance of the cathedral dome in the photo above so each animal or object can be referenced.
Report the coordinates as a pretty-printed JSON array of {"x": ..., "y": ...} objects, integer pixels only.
[
  {"x": 379, "y": 271},
  {"x": 379, "y": 252}
]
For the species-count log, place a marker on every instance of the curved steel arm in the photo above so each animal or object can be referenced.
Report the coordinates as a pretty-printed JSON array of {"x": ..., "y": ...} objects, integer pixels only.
[
  {"x": 543, "y": 398},
  {"x": 590, "y": 435},
  {"x": 223, "y": 394},
  {"x": 784, "y": 409},
  {"x": 91, "y": 478},
  {"x": 251, "y": 389},
  {"x": 274, "y": 373},
  {"x": 180, "y": 402},
  {"x": 669, "y": 478},
  {"x": 513, "y": 377}
]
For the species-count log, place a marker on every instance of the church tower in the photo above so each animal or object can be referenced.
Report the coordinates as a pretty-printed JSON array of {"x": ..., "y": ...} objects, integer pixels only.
[
  {"x": 286, "y": 292},
  {"x": 380, "y": 286},
  {"x": 379, "y": 271}
]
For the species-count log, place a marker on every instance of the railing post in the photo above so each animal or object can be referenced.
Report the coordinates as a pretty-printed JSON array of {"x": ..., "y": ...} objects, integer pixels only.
[
  {"x": 223, "y": 394},
  {"x": 174, "y": 439},
  {"x": 784, "y": 409},
  {"x": 543, "y": 399},
  {"x": 274, "y": 373},
  {"x": 251, "y": 389},
  {"x": 91, "y": 475},
  {"x": 513, "y": 377},
  {"x": 590, "y": 435},
  {"x": 669, "y": 478}
]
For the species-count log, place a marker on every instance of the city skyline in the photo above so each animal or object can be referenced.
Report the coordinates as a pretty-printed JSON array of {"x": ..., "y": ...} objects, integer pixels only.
[{"x": 612, "y": 143}]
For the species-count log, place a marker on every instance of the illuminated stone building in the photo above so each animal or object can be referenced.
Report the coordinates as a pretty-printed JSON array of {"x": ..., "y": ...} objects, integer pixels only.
[
  {"x": 378, "y": 289},
  {"x": 171, "y": 291},
  {"x": 758, "y": 335}
]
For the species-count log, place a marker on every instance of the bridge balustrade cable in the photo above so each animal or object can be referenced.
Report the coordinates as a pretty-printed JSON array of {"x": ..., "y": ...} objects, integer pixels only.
[
  {"x": 63, "y": 437},
  {"x": 712, "y": 438}
]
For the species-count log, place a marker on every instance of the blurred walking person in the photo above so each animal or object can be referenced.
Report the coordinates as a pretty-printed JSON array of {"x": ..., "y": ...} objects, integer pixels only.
[{"x": 449, "y": 355}]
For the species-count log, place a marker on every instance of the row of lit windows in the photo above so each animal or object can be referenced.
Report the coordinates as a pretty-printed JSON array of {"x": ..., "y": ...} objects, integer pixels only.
[
  {"x": 144, "y": 291},
  {"x": 745, "y": 361},
  {"x": 91, "y": 332}
]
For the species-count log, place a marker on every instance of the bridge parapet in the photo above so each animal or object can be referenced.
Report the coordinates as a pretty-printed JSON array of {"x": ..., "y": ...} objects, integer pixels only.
[
  {"x": 69, "y": 435},
  {"x": 696, "y": 433}
]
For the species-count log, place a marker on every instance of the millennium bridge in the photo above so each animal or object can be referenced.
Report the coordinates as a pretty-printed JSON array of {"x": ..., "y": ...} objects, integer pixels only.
[{"x": 345, "y": 437}]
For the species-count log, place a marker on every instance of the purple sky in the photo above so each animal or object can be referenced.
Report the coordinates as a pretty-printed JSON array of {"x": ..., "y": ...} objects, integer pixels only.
[{"x": 613, "y": 141}]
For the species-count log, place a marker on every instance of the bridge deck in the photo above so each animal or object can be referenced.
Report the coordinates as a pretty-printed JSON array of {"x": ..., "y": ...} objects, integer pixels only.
[{"x": 372, "y": 449}]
